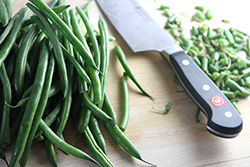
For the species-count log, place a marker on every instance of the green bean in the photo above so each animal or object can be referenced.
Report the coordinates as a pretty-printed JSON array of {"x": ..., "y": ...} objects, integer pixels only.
[
  {"x": 5, "y": 128},
  {"x": 77, "y": 29},
  {"x": 124, "y": 142},
  {"x": 46, "y": 27},
  {"x": 77, "y": 66},
  {"x": 10, "y": 40},
  {"x": 68, "y": 98},
  {"x": 93, "y": 73},
  {"x": 4, "y": 18},
  {"x": 8, "y": 4},
  {"x": 60, "y": 9},
  {"x": 7, "y": 29},
  {"x": 125, "y": 108},
  {"x": 121, "y": 56},
  {"x": 65, "y": 30},
  {"x": 51, "y": 152},
  {"x": 96, "y": 131},
  {"x": 108, "y": 108},
  {"x": 63, "y": 145},
  {"x": 31, "y": 107},
  {"x": 95, "y": 110},
  {"x": 21, "y": 60},
  {"x": 50, "y": 119},
  {"x": 104, "y": 53},
  {"x": 40, "y": 110},
  {"x": 53, "y": 91},
  {"x": 84, "y": 116},
  {"x": 96, "y": 151}
]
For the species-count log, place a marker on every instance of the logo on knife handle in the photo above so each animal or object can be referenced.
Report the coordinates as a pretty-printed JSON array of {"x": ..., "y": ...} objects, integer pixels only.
[{"x": 217, "y": 101}]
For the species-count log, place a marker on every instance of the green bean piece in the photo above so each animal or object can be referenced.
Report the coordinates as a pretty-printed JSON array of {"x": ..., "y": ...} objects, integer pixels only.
[
  {"x": 10, "y": 40},
  {"x": 65, "y": 30},
  {"x": 209, "y": 15},
  {"x": 96, "y": 131},
  {"x": 5, "y": 128},
  {"x": 166, "y": 12},
  {"x": 248, "y": 46},
  {"x": 4, "y": 17},
  {"x": 172, "y": 18},
  {"x": 121, "y": 56},
  {"x": 87, "y": 6},
  {"x": 124, "y": 142},
  {"x": 63, "y": 145},
  {"x": 21, "y": 60},
  {"x": 51, "y": 152},
  {"x": 242, "y": 92},
  {"x": 31, "y": 107},
  {"x": 125, "y": 108},
  {"x": 162, "y": 7},
  {"x": 199, "y": 16},
  {"x": 96, "y": 151},
  {"x": 229, "y": 94},
  {"x": 237, "y": 30},
  {"x": 204, "y": 64},
  {"x": 229, "y": 36},
  {"x": 201, "y": 8},
  {"x": 232, "y": 85}
]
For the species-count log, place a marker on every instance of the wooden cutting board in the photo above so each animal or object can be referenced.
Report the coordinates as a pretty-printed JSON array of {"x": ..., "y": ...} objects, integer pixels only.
[{"x": 173, "y": 139}]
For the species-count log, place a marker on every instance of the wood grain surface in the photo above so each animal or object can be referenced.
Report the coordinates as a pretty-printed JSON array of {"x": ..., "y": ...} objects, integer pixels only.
[{"x": 173, "y": 139}]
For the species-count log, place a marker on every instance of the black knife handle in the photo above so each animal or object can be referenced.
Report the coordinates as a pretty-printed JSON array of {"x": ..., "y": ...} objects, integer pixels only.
[{"x": 222, "y": 118}]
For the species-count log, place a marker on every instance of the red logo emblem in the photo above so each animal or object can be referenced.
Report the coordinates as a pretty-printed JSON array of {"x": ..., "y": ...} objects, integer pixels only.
[{"x": 217, "y": 101}]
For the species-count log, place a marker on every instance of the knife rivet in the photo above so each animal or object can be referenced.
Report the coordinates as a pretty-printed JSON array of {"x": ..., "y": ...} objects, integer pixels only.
[
  {"x": 228, "y": 114},
  {"x": 206, "y": 87},
  {"x": 185, "y": 62}
]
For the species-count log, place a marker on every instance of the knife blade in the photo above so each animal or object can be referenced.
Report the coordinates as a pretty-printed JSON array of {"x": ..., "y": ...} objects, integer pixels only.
[{"x": 142, "y": 33}]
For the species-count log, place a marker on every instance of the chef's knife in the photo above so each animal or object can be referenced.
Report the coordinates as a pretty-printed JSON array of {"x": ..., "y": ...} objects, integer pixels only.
[{"x": 142, "y": 33}]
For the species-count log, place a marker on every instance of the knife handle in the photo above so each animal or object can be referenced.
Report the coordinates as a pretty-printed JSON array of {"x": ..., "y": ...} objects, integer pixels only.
[{"x": 222, "y": 118}]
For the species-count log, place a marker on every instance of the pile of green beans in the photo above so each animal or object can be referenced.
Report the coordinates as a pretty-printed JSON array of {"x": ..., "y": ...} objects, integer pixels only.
[
  {"x": 51, "y": 72},
  {"x": 223, "y": 54}
]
